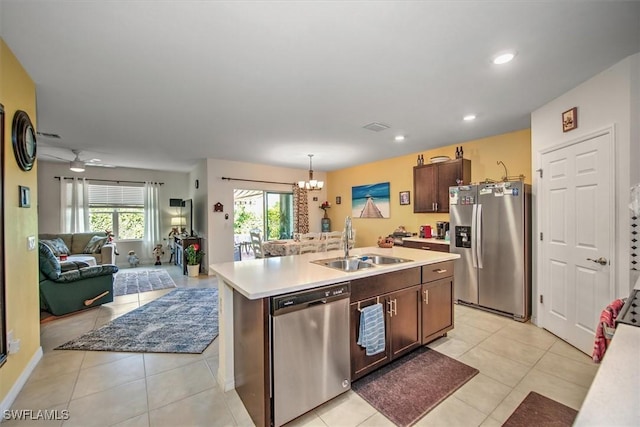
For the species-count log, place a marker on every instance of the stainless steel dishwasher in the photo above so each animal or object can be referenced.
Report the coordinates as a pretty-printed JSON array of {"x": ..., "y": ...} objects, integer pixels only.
[{"x": 310, "y": 345}]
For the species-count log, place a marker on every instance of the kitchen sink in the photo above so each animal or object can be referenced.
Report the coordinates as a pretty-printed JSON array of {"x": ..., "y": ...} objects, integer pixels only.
[
  {"x": 344, "y": 264},
  {"x": 382, "y": 259},
  {"x": 359, "y": 262}
]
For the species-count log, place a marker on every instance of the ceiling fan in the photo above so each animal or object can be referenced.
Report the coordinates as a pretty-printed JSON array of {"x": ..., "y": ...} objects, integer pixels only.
[{"x": 77, "y": 164}]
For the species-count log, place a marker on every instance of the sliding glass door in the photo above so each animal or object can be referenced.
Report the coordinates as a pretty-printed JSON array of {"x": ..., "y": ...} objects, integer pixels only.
[
  {"x": 278, "y": 216},
  {"x": 270, "y": 212}
]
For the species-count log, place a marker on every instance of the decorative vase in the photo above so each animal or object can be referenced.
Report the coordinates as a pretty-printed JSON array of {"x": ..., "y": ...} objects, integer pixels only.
[
  {"x": 193, "y": 270},
  {"x": 326, "y": 224},
  {"x": 325, "y": 214}
]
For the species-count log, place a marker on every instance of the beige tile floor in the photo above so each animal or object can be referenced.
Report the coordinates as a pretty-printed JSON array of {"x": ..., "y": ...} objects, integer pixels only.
[{"x": 139, "y": 390}]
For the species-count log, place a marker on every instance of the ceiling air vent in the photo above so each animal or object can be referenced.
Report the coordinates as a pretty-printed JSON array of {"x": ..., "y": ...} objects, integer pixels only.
[{"x": 376, "y": 127}]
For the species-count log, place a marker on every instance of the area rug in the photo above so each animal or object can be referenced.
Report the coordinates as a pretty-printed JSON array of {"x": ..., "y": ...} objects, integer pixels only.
[
  {"x": 539, "y": 410},
  {"x": 141, "y": 281},
  {"x": 182, "y": 321},
  {"x": 408, "y": 388}
]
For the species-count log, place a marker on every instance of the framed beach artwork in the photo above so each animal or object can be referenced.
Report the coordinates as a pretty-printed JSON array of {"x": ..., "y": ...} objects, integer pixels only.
[{"x": 370, "y": 201}]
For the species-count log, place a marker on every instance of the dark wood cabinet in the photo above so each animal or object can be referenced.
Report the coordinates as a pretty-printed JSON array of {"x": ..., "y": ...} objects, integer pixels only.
[
  {"x": 427, "y": 246},
  {"x": 431, "y": 184},
  {"x": 437, "y": 300},
  {"x": 181, "y": 243},
  {"x": 362, "y": 364},
  {"x": 400, "y": 295},
  {"x": 402, "y": 329},
  {"x": 403, "y": 312}
]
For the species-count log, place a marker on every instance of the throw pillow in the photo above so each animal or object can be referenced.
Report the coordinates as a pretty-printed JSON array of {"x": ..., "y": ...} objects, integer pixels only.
[
  {"x": 95, "y": 245},
  {"x": 57, "y": 246}
]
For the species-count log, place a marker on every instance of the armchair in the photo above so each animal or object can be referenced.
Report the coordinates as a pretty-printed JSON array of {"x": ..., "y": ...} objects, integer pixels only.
[{"x": 71, "y": 286}]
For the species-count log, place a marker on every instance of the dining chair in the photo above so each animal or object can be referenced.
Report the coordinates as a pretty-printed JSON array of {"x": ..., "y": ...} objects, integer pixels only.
[
  {"x": 256, "y": 244},
  {"x": 333, "y": 240},
  {"x": 308, "y": 246},
  {"x": 309, "y": 236}
]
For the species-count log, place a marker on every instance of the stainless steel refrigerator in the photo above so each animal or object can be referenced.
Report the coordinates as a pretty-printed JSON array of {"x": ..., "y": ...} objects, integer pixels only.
[{"x": 490, "y": 227}]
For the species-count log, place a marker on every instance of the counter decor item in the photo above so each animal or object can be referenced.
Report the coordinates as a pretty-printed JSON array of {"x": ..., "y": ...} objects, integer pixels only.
[
  {"x": 439, "y": 159},
  {"x": 385, "y": 242}
]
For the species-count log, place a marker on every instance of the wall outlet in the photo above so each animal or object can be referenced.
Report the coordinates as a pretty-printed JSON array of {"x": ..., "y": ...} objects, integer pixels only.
[
  {"x": 13, "y": 345},
  {"x": 31, "y": 243}
]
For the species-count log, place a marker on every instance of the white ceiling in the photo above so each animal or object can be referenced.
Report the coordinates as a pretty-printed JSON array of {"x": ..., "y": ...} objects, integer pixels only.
[{"x": 160, "y": 84}]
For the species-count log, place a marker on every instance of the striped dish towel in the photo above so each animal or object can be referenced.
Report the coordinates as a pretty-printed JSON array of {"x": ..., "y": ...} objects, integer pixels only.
[
  {"x": 608, "y": 317},
  {"x": 371, "y": 334}
]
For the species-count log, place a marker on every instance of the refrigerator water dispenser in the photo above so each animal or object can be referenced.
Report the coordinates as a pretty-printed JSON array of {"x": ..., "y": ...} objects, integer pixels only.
[{"x": 463, "y": 236}]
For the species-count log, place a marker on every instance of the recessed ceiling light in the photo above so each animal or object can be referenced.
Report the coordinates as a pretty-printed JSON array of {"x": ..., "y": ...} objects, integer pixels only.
[
  {"x": 469, "y": 117},
  {"x": 503, "y": 58},
  {"x": 399, "y": 138}
]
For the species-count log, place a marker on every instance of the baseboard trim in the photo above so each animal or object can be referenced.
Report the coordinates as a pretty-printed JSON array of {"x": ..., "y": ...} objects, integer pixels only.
[
  {"x": 20, "y": 382},
  {"x": 225, "y": 385}
]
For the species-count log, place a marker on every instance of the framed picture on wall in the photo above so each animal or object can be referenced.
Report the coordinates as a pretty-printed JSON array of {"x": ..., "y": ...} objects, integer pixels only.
[
  {"x": 405, "y": 198},
  {"x": 570, "y": 119},
  {"x": 25, "y": 197},
  {"x": 370, "y": 201}
]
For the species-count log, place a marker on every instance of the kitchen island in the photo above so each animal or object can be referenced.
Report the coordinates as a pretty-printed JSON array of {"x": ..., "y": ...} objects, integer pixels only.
[{"x": 246, "y": 288}]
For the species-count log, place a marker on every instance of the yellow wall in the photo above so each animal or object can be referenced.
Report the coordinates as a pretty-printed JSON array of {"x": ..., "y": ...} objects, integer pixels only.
[
  {"x": 514, "y": 149},
  {"x": 18, "y": 92}
]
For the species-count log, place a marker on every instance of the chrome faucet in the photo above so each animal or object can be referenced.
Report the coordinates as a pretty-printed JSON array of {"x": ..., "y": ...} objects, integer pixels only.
[{"x": 348, "y": 234}]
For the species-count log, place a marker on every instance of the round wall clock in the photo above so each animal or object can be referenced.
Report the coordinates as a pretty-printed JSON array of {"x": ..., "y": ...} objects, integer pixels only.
[{"x": 24, "y": 140}]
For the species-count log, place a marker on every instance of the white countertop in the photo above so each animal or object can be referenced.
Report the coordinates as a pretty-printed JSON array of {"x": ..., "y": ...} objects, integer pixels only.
[
  {"x": 431, "y": 240},
  {"x": 260, "y": 278},
  {"x": 614, "y": 396}
]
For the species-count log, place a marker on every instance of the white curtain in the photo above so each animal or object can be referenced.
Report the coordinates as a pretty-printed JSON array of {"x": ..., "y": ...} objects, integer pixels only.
[
  {"x": 74, "y": 205},
  {"x": 152, "y": 235}
]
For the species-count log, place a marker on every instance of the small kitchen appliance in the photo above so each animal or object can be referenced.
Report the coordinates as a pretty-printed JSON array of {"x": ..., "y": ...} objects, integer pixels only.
[
  {"x": 425, "y": 231},
  {"x": 441, "y": 229}
]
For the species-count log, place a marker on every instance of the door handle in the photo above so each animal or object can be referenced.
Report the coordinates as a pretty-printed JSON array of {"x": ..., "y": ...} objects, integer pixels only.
[
  {"x": 390, "y": 311},
  {"x": 426, "y": 296},
  {"x": 601, "y": 260},
  {"x": 440, "y": 270}
]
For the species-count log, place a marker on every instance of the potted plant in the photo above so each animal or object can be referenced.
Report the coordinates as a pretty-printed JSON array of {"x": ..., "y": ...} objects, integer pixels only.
[
  {"x": 324, "y": 206},
  {"x": 194, "y": 257}
]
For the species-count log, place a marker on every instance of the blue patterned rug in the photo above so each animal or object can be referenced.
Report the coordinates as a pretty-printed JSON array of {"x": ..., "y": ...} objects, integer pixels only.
[
  {"x": 182, "y": 321},
  {"x": 131, "y": 282}
]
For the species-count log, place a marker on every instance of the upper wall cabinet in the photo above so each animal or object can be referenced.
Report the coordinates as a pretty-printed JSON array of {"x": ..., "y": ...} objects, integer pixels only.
[{"x": 431, "y": 184}]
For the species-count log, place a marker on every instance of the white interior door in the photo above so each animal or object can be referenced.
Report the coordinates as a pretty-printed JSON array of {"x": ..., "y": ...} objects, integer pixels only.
[{"x": 577, "y": 206}]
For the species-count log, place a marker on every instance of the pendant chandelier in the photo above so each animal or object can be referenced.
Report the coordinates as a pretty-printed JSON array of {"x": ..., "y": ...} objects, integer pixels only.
[{"x": 312, "y": 184}]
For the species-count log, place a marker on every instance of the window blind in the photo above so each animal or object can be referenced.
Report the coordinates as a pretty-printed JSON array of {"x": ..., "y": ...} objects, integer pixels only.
[{"x": 115, "y": 195}]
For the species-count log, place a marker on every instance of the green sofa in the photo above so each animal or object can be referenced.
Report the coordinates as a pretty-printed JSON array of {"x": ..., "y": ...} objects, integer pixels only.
[{"x": 70, "y": 286}]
